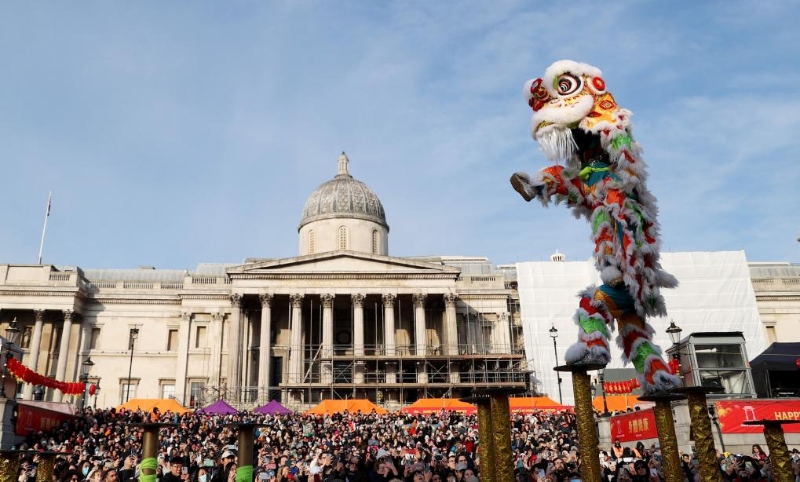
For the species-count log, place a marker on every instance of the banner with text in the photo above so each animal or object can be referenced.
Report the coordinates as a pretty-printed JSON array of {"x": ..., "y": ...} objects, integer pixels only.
[
  {"x": 31, "y": 419},
  {"x": 638, "y": 425},
  {"x": 732, "y": 414}
]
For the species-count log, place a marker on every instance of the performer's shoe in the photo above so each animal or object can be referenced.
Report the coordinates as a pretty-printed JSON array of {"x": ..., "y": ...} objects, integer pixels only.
[
  {"x": 522, "y": 184},
  {"x": 581, "y": 354}
]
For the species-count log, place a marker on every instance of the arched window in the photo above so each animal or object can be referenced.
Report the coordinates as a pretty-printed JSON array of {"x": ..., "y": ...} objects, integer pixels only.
[
  {"x": 311, "y": 242},
  {"x": 342, "y": 237},
  {"x": 374, "y": 241}
]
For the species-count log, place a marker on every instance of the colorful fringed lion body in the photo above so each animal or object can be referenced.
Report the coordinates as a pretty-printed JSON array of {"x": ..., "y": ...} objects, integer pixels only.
[{"x": 603, "y": 179}]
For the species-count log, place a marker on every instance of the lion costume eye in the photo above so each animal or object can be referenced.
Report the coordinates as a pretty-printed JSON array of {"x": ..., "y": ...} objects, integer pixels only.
[{"x": 566, "y": 84}]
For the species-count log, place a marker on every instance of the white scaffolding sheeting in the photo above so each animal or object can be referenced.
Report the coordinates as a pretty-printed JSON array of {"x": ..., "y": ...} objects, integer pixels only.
[{"x": 715, "y": 295}]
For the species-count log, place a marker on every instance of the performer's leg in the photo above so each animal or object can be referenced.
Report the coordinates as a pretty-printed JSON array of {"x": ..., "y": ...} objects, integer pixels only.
[
  {"x": 593, "y": 320},
  {"x": 635, "y": 338}
]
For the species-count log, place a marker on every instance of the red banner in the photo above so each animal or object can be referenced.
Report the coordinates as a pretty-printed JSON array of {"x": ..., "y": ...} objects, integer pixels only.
[
  {"x": 637, "y": 425},
  {"x": 733, "y": 412},
  {"x": 35, "y": 419}
]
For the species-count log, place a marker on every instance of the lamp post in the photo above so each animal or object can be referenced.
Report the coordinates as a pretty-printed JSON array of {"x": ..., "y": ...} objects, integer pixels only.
[
  {"x": 12, "y": 332},
  {"x": 602, "y": 373},
  {"x": 86, "y": 367},
  {"x": 674, "y": 332},
  {"x": 554, "y": 335},
  {"x": 134, "y": 334},
  {"x": 96, "y": 393}
]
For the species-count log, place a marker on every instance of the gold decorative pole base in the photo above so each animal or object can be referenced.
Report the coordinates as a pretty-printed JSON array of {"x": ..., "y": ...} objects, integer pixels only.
[
  {"x": 485, "y": 431},
  {"x": 44, "y": 469},
  {"x": 494, "y": 432},
  {"x": 588, "y": 442},
  {"x": 665, "y": 423},
  {"x": 703, "y": 434},
  {"x": 778, "y": 452},
  {"x": 9, "y": 464}
]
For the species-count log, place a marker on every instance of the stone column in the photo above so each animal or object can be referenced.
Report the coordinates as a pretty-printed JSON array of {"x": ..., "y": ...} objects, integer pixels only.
[
  {"x": 235, "y": 342},
  {"x": 63, "y": 352},
  {"x": 184, "y": 332},
  {"x": 420, "y": 336},
  {"x": 264, "y": 347},
  {"x": 215, "y": 335},
  {"x": 389, "y": 339},
  {"x": 33, "y": 358},
  {"x": 451, "y": 334},
  {"x": 450, "y": 328},
  {"x": 358, "y": 337},
  {"x": 326, "y": 375},
  {"x": 503, "y": 336},
  {"x": 296, "y": 374},
  {"x": 247, "y": 348}
]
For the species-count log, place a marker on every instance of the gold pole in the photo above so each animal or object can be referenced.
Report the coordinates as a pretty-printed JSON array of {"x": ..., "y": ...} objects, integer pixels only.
[
  {"x": 9, "y": 465},
  {"x": 149, "y": 453},
  {"x": 703, "y": 435},
  {"x": 587, "y": 429},
  {"x": 488, "y": 467},
  {"x": 44, "y": 469},
  {"x": 244, "y": 469},
  {"x": 501, "y": 438},
  {"x": 778, "y": 453},
  {"x": 665, "y": 423}
]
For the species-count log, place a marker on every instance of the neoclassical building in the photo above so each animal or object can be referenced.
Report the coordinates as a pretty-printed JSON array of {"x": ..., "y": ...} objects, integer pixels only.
[{"x": 343, "y": 319}]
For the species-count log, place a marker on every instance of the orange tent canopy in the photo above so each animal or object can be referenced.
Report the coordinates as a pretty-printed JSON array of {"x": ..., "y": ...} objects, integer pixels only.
[
  {"x": 146, "y": 404},
  {"x": 338, "y": 406},
  {"x": 433, "y": 405},
  {"x": 618, "y": 402},
  {"x": 529, "y": 404}
]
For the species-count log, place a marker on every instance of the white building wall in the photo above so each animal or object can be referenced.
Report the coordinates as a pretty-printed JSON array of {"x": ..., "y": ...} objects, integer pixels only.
[{"x": 715, "y": 294}]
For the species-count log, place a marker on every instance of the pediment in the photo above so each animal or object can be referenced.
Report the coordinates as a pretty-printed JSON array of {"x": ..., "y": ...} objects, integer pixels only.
[{"x": 343, "y": 262}]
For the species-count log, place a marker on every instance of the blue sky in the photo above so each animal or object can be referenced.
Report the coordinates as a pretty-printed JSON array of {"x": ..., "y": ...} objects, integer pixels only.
[{"x": 173, "y": 133}]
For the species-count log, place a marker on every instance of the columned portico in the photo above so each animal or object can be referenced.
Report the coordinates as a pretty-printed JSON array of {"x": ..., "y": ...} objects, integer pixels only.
[
  {"x": 36, "y": 342},
  {"x": 63, "y": 351},
  {"x": 295, "y": 374},
  {"x": 264, "y": 347}
]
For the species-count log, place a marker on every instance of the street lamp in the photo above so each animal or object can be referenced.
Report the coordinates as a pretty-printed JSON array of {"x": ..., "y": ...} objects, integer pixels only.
[
  {"x": 86, "y": 367},
  {"x": 602, "y": 373},
  {"x": 12, "y": 332},
  {"x": 96, "y": 393},
  {"x": 134, "y": 334},
  {"x": 554, "y": 335},
  {"x": 674, "y": 332}
]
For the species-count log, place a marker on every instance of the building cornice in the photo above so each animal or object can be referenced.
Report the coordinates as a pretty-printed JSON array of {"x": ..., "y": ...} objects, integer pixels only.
[
  {"x": 136, "y": 301},
  {"x": 342, "y": 276}
]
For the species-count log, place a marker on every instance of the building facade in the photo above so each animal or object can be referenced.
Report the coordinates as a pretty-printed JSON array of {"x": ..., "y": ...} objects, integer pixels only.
[{"x": 343, "y": 319}]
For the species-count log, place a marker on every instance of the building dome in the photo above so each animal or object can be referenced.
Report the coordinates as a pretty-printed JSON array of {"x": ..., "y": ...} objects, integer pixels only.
[{"x": 343, "y": 197}]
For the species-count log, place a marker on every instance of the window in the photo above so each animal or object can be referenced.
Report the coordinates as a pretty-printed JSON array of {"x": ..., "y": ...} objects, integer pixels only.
[
  {"x": 168, "y": 389},
  {"x": 374, "y": 241},
  {"x": 311, "y": 242},
  {"x": 94, "y": 339},
  {"x": 342, "y": 237},
  {"x": 172, "y": 340},
  {"x": 196, "y": 393},
  {"x": 127, "y": 391},
  {"x": 26, "y": 337},
  {"x": 200, "y": 337}
]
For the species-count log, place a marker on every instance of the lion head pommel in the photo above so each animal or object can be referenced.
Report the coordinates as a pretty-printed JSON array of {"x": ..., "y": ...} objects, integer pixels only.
[{"x": 571, "y": 95}]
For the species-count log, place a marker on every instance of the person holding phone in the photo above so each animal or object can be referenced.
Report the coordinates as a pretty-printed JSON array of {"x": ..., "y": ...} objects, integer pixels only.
[{"x": 176, "y": 471}]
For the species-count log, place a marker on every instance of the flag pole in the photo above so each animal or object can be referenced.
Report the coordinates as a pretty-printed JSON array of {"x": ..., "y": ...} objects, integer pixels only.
[{"x": 44, "y": 229}]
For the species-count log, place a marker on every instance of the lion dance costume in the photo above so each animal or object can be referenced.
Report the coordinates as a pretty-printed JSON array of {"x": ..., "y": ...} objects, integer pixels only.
[{"x": 603, "y": 179}]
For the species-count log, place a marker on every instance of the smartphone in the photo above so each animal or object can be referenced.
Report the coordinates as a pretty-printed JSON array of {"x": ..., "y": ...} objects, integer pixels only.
[
  {"x": 748, "y": 465},
  {"x": 653, "y": 472},
  {"x": 184, "y": 470},
  {"x": 263, "y": 476}
]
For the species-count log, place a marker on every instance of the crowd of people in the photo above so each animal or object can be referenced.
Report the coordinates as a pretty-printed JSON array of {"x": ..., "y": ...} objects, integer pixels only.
[{"x": 106, "y": 446}]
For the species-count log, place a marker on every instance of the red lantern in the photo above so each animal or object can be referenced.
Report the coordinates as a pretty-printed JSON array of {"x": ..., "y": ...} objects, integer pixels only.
[
  {"x": 674, "y": 366},
  {"x": 92, "y": 389},
  {"x": 797, "y": 362}
]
